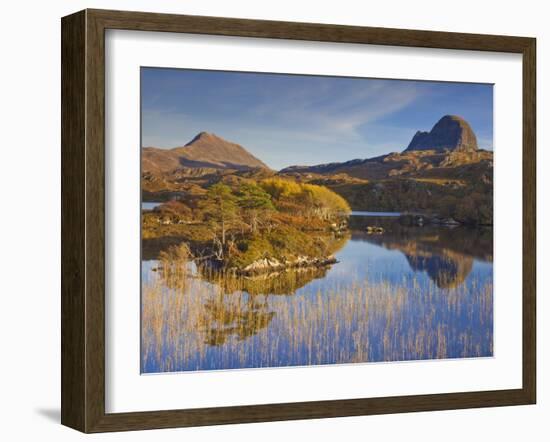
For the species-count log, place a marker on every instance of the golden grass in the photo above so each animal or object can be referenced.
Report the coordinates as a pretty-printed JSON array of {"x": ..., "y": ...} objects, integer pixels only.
[{"x": 194, "y": 325}]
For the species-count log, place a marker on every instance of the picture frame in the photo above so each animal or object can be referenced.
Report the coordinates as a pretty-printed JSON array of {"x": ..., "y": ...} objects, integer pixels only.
[{"x": 84, "y": 230}]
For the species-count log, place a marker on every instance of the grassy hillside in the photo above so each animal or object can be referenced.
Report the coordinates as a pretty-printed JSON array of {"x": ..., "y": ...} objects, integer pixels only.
[{"x": 458, "y": 185}]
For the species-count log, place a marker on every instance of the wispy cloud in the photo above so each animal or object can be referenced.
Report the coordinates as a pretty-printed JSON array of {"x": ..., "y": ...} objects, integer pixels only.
[{"x": 286, "y": 119}]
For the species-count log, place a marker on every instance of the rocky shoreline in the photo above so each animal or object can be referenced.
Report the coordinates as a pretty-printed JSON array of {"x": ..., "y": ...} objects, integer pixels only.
[
  {"x": 421, "y": 220},
  {"x": 270, "y": 265}
]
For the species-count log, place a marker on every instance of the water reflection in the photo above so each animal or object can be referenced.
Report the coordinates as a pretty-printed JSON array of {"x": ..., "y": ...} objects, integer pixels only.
[
  {"x": 408, "y": 293},
  {"x": 447, "y": 271},
  {"x": 241, "y": 317},
  {"x": 284, "y": 282},
  {"x": 445, "y": 254}
]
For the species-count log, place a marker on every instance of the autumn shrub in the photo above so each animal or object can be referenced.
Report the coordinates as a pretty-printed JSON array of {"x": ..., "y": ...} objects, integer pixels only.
[{"x": 309, "y": 200}]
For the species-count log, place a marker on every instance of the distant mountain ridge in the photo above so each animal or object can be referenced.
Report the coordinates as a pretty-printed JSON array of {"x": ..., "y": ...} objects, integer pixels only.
[
  {"x": 205, "y": 150},
  {"x": 450, "y": 144}
]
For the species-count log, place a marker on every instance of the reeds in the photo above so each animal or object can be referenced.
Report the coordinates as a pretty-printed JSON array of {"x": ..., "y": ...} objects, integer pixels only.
[{"x": 200, "y": 325}]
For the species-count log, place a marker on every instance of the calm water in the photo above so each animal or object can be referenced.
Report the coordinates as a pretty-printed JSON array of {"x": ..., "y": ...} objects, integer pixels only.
[
  {"x": 406, "y": 294},
  {"x": 149, "y": 205},
  {"x": 375, "y": 214}
]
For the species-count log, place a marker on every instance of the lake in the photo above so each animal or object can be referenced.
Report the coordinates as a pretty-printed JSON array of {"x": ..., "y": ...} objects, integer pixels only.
[
  {"x": 146, "y": 205},
  {"x": 408, "y": 293}
]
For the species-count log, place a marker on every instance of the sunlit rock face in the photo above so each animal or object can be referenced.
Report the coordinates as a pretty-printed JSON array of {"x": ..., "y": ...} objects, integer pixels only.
[{"x": 451, "y": 133}]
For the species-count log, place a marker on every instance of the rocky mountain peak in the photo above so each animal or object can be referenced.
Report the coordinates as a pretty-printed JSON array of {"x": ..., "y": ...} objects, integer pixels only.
[
  {"x": 451, "y": 133},
  {"x": 203, "y": 136}
]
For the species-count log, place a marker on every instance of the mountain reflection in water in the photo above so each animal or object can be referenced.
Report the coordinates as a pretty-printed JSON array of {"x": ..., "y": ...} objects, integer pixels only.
[
  {"x": 445, "y": 254},
  {"x": 407, "y": 293}
]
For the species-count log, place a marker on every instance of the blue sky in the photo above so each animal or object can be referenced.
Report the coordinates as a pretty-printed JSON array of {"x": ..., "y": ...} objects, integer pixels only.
[{"x": 289, "y": 119}]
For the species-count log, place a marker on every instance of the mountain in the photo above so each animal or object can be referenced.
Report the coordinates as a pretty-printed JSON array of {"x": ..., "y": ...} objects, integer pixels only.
[
  {"x": 441, "y": 172},
  {"x": 450, "y": 144},
  {"x": 205, "y": 151},
  {"x": 451, "y": 133}
]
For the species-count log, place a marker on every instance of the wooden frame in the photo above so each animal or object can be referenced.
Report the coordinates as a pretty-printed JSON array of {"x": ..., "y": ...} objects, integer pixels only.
[{"x": 83, "y": 217}]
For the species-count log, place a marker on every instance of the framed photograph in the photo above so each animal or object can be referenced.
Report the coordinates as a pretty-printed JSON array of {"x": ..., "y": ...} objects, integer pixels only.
[{"x": 267, "y": 221}]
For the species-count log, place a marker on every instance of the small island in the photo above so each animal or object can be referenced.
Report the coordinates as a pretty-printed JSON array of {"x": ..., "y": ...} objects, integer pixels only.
[{"x": 247, "y": 226}]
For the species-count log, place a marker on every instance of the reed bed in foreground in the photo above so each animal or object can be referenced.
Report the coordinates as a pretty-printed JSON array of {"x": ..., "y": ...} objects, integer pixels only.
[{"x": 194, "y": 325}]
